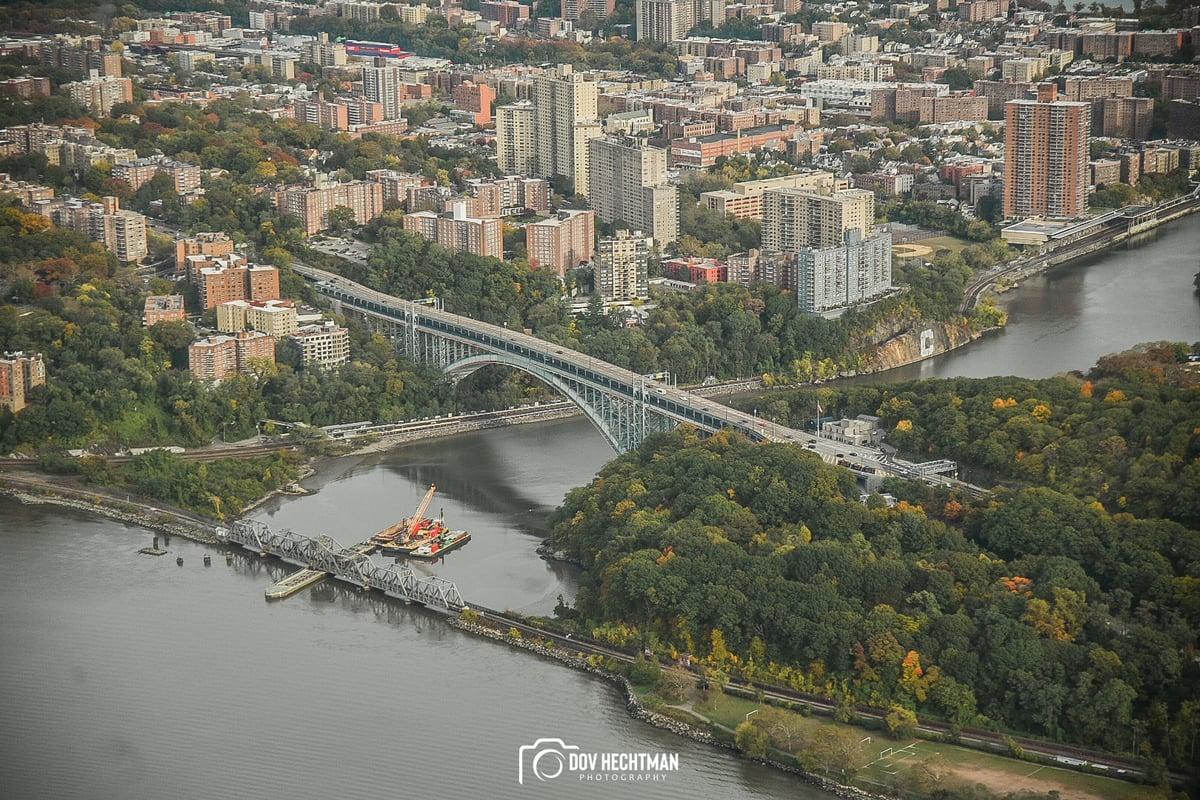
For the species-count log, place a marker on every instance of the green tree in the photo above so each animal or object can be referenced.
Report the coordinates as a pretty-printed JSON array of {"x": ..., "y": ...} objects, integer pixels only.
[
  {"x": 901, "y": 723},
  {"x": 677, "y": 684},
  {"x": 834, "y": 751},
  {"x": 341, "y": 219},
  {"x": 752, "y": 740}
]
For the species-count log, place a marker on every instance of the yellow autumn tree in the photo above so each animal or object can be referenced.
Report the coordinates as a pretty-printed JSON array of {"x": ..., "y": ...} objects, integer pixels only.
[
  {"x": 1046, "y": 621},
  {"x": 912, "y": 676},
  {"x": 719, "y": 654}
]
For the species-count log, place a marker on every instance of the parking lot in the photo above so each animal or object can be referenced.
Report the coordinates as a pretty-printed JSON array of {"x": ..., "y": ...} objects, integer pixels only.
[{"x": 346, "y": 248}]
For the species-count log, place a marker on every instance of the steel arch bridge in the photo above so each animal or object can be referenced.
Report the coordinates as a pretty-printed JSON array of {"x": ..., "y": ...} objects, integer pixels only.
[{"x": 626, "y": 407}]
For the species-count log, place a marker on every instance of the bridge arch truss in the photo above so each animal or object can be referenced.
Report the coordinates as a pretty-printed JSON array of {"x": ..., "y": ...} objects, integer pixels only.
[{"x": 624, "y": 406}]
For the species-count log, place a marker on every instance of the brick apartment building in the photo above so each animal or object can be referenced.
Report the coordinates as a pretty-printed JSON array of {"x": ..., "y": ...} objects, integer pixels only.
[
  {"x": 18, "y": 374},
  {"x": 217, "y": 357},
  {"x": 1046, "y": 157},
  {"x": 229, "y": 278},
  {"x": 163, "y": 308},
  {"x": 312, "y": 204},
  {"x": 562, "y": 242}
]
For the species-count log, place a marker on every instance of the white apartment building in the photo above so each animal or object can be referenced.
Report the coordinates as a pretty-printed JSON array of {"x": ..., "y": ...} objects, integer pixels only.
[
  {"x": 855, "y": 96},
  {"x": 321, "y": 345},
  {"x": 383, "y": 85},
  {"x": 621, "y": 266},
  {"x": 562, "y": 100},
  {"x": 832, "y": 279},
  {"x": 276, "y": 317},
  {"x": 796, "y": 218},
  {"x": 516, "y": 142}
]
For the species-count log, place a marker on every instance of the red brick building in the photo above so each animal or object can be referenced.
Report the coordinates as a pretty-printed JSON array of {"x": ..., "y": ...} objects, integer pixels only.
[
  {"x": 476, "y": 98},
  {"x": 562, "y": 242},
  {"x": 703, "y": 151},
  {"x": 163, "y": 308},
  {"x": 1046, "y": 158},
  {"x": 696, "y": 270},
  {"x": 219, "y": 356}
]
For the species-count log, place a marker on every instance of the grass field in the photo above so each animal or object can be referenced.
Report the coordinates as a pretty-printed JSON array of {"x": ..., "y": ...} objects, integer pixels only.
[
  {"x": 951, "y": 243},
  {"x": 887, "y": 762}
]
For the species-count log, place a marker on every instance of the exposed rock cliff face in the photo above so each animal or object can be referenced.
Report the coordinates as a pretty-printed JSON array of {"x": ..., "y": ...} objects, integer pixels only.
[{"x": 921, "y": 340}]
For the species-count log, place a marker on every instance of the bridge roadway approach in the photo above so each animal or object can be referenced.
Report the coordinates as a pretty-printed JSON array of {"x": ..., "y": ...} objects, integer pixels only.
[{"x": 626, "y": 407}]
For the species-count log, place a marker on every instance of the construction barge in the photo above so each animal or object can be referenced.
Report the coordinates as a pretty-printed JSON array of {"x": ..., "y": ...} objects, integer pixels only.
[
  {"x": 425, "y": 531},
  {"x": 443, "y": 543},
  {"x": 419, "y": 536}
]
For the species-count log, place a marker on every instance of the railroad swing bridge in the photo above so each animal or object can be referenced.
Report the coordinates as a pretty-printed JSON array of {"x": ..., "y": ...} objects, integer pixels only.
[{"x": 351, "y": 564}]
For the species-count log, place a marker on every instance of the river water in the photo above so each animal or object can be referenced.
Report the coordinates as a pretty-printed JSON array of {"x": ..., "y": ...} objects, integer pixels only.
[
  {"x": 125, "y": 676},
  {"x": 1067, "y": 318}
]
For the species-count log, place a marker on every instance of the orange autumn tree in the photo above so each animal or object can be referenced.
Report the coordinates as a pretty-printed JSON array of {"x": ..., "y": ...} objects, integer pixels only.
[
  {"x": 915, "y": 680},
  {"x": 1018, "y": 585}
]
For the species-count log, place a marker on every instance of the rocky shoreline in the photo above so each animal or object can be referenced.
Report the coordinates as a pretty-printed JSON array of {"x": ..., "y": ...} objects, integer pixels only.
[
  {"x": 128, "y": 512},
  {"x": 547, "y": 552},
  {"x": 638, "y": 711}
]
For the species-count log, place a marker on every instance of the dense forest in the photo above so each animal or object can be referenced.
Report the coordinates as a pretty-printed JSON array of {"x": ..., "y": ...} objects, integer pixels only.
[
  {"x": 1124, "y": 434},
  {"x": 1032, "y": 609}
]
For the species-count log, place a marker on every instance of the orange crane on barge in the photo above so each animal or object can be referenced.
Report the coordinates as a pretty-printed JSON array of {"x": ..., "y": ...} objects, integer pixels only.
[{"x": 408, "y": 526}]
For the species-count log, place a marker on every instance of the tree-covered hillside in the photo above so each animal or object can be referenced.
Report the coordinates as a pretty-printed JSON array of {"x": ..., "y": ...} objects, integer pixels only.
[
  {"x": 1125, "y": 434},
  {"x": 1029, "y": 610}
]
